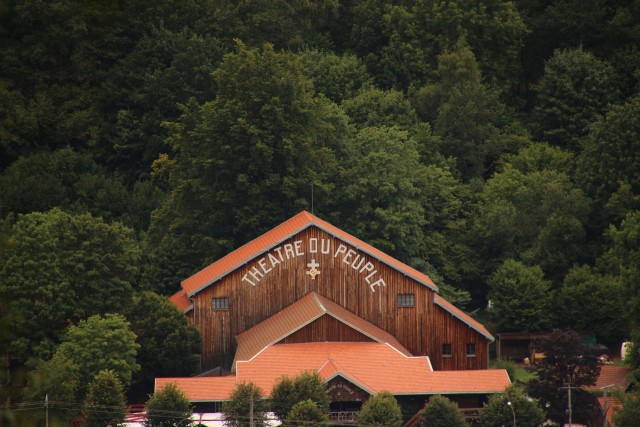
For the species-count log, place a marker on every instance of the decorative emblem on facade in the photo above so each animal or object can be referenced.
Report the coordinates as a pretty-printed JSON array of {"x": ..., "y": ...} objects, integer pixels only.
[{"x": 313, "y": 272}]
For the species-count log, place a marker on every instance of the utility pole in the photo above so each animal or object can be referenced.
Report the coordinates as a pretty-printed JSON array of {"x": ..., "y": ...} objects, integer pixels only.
[
  {"x": 569, "y": 387},
  {"x": 605, "y": 405},
  {"x": 251, "y": 412},
  {"x": 46, "y": 409}
]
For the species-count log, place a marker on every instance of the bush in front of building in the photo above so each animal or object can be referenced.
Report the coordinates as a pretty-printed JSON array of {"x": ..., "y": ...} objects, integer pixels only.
[
  {"x": 381, "y": 409},
  {"x": 306, "y": 386},
  {"x": 442, "y": 412},
  {"x": 307, "y": 413}
]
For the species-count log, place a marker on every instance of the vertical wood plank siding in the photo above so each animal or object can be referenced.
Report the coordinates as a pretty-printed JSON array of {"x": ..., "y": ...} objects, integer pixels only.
[{"x": 422, "y": 329}]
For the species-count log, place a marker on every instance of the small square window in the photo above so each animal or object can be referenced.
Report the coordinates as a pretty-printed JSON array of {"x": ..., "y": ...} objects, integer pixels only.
[
  {"x": 471, "y": 349},
  {"x": 220, "y": 303},
  {"x": 446, "y": 350},
  {"x": 406, "y": 300}
]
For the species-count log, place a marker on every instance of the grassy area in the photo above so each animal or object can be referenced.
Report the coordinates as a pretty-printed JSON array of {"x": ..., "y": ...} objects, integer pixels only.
[
  {"x": 523, "y": 374},
  {"x": 517, "y": 373}
]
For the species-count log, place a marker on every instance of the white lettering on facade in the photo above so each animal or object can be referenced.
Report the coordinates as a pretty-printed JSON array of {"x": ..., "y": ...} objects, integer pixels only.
[
  {"x": 341, "y": 249},
  {"x": 279, "y": 251},
  {"x": 349, "y": 254},
  {"x": 274, "y": 261},
  {"x": 289, "y": 251},
  {"x": 245, "y": 278},
  {"x": 263, "y": 265}
]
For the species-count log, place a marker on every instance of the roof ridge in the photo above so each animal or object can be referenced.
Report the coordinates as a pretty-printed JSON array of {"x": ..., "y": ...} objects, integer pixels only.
[{"x": 263, "y": 243}]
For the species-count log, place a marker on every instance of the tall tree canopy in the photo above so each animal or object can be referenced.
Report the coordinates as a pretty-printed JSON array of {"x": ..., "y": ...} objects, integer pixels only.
[
  {"x": 78, "y": 266},
  {"x": 568, "y": 362},
  {"x": 576, "y": 87},
  {"x": 244, "y": 161},
  {"x": 169, "y": 345},
  {"x": 98, "y": 343}
]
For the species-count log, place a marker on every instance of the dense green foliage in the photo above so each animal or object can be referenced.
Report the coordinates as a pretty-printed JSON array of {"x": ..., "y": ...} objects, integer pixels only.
[
  {"x": 104, "y": 405},
  {"x": 382, "y": 409},
  {"x": 60, "y": 269},
  {"x": 441, "y": 412},
  {"x": 169, "y": 345},
  {"x": 168, "y": 407},
  {"x": 100, "y": 343},
  {"x": 289, "y": 391},
  {"x": 569, "y": 362},
  {"x": 246, "y": 404},
  {"x": 307, "y": 413},
  {"x": 513, "y": 407},
  {"x": 486, "y": 144}
]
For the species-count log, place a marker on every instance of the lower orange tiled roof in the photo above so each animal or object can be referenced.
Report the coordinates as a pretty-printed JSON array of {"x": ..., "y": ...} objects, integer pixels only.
[{"x": 372, "y": 366}]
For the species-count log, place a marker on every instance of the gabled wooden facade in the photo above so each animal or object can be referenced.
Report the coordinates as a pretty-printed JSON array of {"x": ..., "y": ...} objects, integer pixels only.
[{"x": 305, "y": 255}]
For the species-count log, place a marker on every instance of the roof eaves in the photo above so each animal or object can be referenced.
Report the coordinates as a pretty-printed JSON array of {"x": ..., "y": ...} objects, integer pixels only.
[
  {"x": 351, "y": 380},
  {"x": 246, "y": 260},
  {"x": 446, "y": 307}
]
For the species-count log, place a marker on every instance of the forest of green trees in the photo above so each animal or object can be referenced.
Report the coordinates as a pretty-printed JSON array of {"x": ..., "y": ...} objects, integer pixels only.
[{"x": 492, "y": 144}]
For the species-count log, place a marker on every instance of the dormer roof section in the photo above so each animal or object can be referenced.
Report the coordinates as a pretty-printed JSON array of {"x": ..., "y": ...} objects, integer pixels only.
[{"x": 300, "y": 314}]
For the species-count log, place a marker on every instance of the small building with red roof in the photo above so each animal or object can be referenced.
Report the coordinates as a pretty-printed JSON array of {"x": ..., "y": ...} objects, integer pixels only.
[{"x": 307, "y": 296}]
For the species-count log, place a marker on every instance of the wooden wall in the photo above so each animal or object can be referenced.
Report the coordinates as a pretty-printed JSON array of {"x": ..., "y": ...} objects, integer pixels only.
[
  {"x": 325, "y": 329},
  {"x": 421, "y": 329}
]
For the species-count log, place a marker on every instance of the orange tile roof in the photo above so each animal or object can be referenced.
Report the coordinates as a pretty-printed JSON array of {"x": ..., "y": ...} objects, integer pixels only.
[
  {"x": 299, "y": 314},
  {"x": 201, "y": 389},
  {"x": 613, "y": 406},
  {"x": 180, "y": 300},
  {"x": 456, "y": 312},
  {"x": 468, "y": 382},
  {"x": 355, "y": 361},
  {"x": 280, "y": 233},
  {"x": 369, "y": 365},
  {"x": 617, "y": 376}
]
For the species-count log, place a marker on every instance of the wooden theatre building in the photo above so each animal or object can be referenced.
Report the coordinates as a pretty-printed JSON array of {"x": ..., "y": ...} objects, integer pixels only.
[{"x": 307, "y": 295}]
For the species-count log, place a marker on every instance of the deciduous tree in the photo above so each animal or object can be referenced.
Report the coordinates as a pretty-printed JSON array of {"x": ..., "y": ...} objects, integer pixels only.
[
  {"x": 289, "y": 391},
  {"x": 513, "y": 407},
  {"x": 568, "y": 362},
  {"x": 593, "y": 302},
  {"x": 100, "y": 343},
  {"x": 61, "y": 268},
  {"x": 441, "y": 412},
  {"x": 606, "y": 166},
  {"x": 169, "y": 345},
  {"x": 307, "y": 413},
  {"x": 53, "y": 383},
  {"x": 246, "y": 399},
  {"x": 168, "y": 407},
  {"x": 520, "y": 297},
  {"x": 244, "y": 161},
  {"x": 576, "y": 87},
  {"x": 104, "y": 405},
  {"x": 382, "y": 409}
]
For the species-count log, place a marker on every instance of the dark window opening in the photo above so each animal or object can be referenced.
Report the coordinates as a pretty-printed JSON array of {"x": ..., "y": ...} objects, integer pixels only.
[
  {"x": 471, "y": 349},
  {"x": 220, "y": 303},
  {"x": 406, "y": 300},
  {"x": 446, "y": 350}
]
